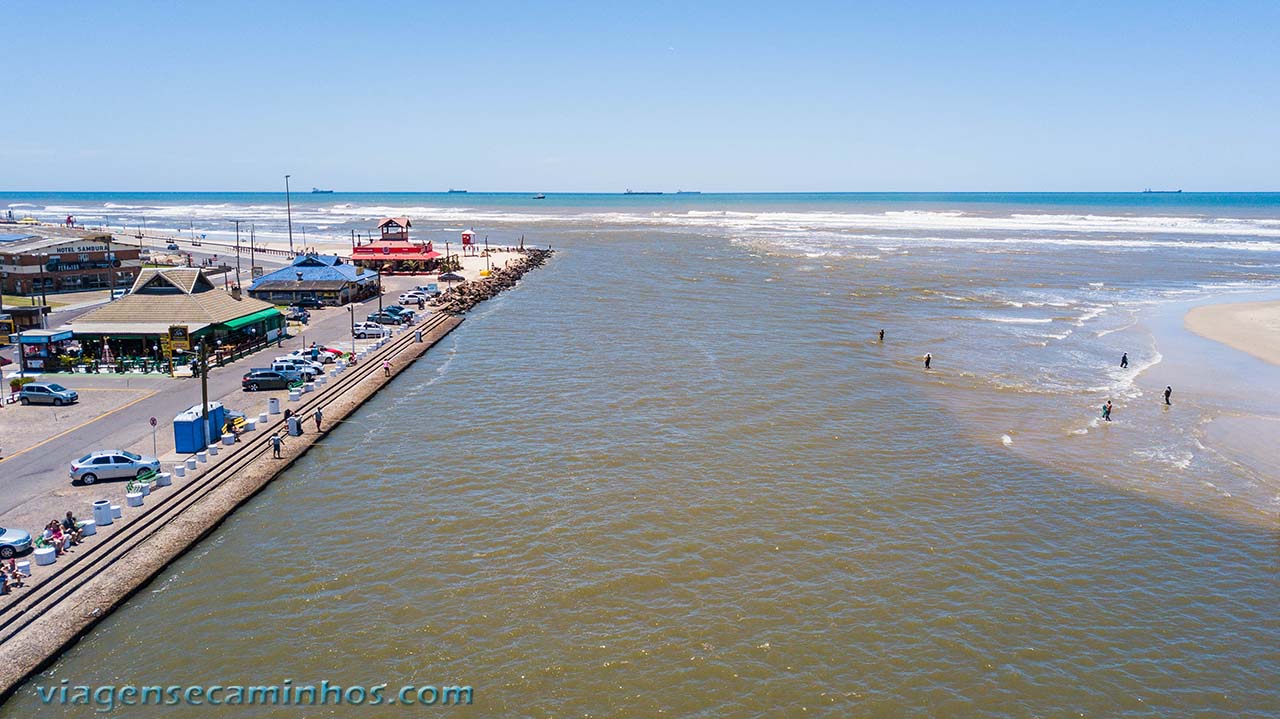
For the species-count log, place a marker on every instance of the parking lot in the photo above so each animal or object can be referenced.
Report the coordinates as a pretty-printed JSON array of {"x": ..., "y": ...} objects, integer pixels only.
[{"x": 23, "y": 427}]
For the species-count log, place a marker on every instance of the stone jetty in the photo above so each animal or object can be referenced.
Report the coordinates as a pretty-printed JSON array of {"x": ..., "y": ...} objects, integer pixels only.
[{"x": 459, "y": 299}]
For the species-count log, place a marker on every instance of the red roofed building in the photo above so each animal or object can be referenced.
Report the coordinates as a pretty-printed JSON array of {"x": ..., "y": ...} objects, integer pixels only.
[{"x": 394, "y": 251}]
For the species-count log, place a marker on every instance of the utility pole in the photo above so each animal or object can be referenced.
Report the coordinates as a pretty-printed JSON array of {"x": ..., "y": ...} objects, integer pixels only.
[
  {"x": 288, "y": 208},
  {"x": 237, "y": 252},
  {"x": 204, "y": 389},
  {"x": 252, "y": 262}
]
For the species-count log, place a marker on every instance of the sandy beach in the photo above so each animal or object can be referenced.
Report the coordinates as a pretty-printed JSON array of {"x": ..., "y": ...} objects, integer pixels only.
[{"x": 1251, "y": 327}]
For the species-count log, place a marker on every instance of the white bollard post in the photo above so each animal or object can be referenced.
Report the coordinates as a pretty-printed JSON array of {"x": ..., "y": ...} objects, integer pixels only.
[
  {"x": 46, "y": 555},
  {"x": 202, "y": 456},
  {"x": 229, "y": 439},
  {"x": 116, "y": 512},
  {"x": 262, "y": 418},
  {"x": 133, "y": 499},
  {"x": 294, "y": 395},
  {"x": 102, "y": 512},
  {"x": 179, "y": 470},
  {"x": 191, "y": 464},
  {"x": 250, "y": 425},
  {"x": 164, "y": 479},
  {"x": 88, "y": 528},
  {"x": 213, "y": 450}
]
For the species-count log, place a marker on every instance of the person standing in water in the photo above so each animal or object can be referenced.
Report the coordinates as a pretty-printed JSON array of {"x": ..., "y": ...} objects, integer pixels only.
[
  {"x": 928, "y": 360},
  {"x": 1106, "y": 411},
  {"x": 1168, "y": 390},
  {"x": 1124, "y": 360},
  {"x": 882, "y": 335}
]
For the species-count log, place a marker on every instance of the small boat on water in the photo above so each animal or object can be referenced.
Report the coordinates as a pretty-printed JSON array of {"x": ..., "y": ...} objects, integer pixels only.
[
  {"x": 457, "y": 192},
  {"x": 640, "y": 192},
  {"x": 318, "y": 191},
  {"x": 539, "y": 196},
  {"x": 1150, "y": 191},
  {"x": 688, "y": 192}
]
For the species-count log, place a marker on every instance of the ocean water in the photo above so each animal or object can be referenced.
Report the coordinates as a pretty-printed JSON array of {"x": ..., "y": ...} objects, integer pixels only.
[{"x": 675, "y": 473}]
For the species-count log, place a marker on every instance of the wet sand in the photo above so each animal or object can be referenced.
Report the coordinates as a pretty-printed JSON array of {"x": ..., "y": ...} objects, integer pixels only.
[{"x": 1251, "y": 327}]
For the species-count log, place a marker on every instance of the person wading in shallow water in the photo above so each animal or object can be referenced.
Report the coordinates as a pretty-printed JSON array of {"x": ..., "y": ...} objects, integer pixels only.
[
  {"x": 928, "y": 360},
  {"x": 1168, "y": 391},
  {"x": 882, "y": 335},
  {"x": 1106, "y": 411},
  {"x": 1124, "y": 360}
]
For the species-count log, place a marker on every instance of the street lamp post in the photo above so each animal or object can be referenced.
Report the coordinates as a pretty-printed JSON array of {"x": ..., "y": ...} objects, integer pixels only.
[
  {"x": 44, "y": 297},
  {"x": 288, "y": 208},
  {"x": 204, "y": 389},
  {"x": 352, "y": 309},
  {"x": 379, "y": 287},
  {"x": 237, "y": 252}
]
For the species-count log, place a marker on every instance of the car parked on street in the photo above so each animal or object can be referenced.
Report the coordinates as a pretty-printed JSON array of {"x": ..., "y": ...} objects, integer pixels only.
[
  {"x": 361, "y": 330},
  {"x": 412, "y": 297},
  {"x": 323, "y": 356},
  {"x": 47, "y": 393},
  {"x": 13, "y": 541},
  {"x": 404, "y": 313},
  {"x": 305, "y": 369},
  {"x": 257, "y": 379},
  {"x": 385, "y": 318},
  {"x": 111, "y": 464},
  {"x": 172, "y": 247},
  {"x": 311, "y": 302},
  {"x": 301, "y": 359},
  {"x": 297, "y": 314}
]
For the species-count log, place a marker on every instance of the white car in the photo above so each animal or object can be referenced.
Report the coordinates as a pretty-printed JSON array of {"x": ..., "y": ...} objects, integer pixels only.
[
  {"x": 412, "y": 297},
  {"x": 324, "y": 356},
  {"x": 297, "y": 364},
  {"x": 370, "y": 329}
]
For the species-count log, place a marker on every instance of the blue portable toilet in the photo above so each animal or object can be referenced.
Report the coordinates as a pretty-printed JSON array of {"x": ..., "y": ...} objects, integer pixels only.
[
  {"x": 217, "y": 417},
  {"x": 188, "y": 436}
]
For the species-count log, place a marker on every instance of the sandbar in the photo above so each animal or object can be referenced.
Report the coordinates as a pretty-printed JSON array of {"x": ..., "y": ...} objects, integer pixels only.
[{"x": 1251, "y": 327}]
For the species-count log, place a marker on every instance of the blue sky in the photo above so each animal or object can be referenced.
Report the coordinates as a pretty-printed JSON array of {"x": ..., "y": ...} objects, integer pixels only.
[{"x": 551, "y": 96}]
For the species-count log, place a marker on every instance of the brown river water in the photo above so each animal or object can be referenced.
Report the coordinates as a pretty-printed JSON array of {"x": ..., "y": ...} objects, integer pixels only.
[{"x": 670, "y": 475}]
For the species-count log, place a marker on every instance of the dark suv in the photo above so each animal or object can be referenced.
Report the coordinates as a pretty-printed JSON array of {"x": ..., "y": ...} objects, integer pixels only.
[{"x": 256, "y": 379}]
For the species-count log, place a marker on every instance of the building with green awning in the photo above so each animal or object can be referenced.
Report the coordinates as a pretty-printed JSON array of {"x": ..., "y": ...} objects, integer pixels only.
[{"x": 140, "y": 322}]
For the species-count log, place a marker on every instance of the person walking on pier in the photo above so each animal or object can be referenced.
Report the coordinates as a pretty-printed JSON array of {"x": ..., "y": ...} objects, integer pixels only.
[
  {"x": 276, "y": 443},
  {"x": 319, "y": 418},
  {"x": 1168, "y": 390},
  {"x": 386, "y": 368}
]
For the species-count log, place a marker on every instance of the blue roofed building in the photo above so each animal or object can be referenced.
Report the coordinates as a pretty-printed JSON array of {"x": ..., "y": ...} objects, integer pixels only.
[{"x": 328, "y": 279}]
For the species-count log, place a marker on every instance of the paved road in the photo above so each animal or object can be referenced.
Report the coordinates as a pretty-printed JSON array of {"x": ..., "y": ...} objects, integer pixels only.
[{"x": 32, "y": 476}]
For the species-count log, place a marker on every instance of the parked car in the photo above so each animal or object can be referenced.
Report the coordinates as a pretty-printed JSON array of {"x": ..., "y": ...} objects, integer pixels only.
[
  {"x": 47, "y": 393},
  {"x": 309, "y": 302},
  {"x": 111, "y": 464},
  {"x": 118, "y": 293},
  {"x": 404, "y": 313},
  {"x": 306, "y": 370},
  {"x": 412, "y": 297},
  {"x": 256, "y": 379},
  {"x": 13, "y": 541},
  {"x": 385, "y": 318},
  {"x": 369, "y": 329},
  {"x": 302, "y": 359},
  {"x": 323, "y": 356},
  {"x": 172, "y": 247},
  {"x": 297, "y": 314}
]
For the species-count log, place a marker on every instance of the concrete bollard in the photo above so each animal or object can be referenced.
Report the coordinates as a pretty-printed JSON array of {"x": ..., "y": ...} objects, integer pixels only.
[
  {"x": 273, "y": 405},
  {"x": 145, "y": 488},
  {"x": 46, "y": 555},
  {"x": 191, "y": 464},
  {"x": 202, "y": 456},
  {"x": 333, "y": 373},
  {"x": 250, "y": 425},
  {"x": 294, "y": 395},
  {"x": 24, "y": 567},
  {"x": 164, "y": 479},
  {"x": 417, "y": 336},
  {"x": 133, "y": 499},
  {"x": 89, "y": 528},
  {"x": 229, "y": 439},
  {"x": 116, "y": 512},
  {"x": 320, "y": 380},
  {"x": 309, "y": 387},
  {"x": 102, "y": 512},
  {"x": 179, "y": 470},
  {"x": 262, "y": 418},
  {"x": 213, "y": 450}
]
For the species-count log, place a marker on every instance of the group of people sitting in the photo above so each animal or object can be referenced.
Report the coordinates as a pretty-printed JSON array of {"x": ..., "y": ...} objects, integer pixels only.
[
  {"x": 62, "y": 536},
  {"x": 10, "y": 577}
]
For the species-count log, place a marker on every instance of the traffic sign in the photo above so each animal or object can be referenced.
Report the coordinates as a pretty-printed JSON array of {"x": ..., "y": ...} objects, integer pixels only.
[{"x": 153, "y": 421}]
